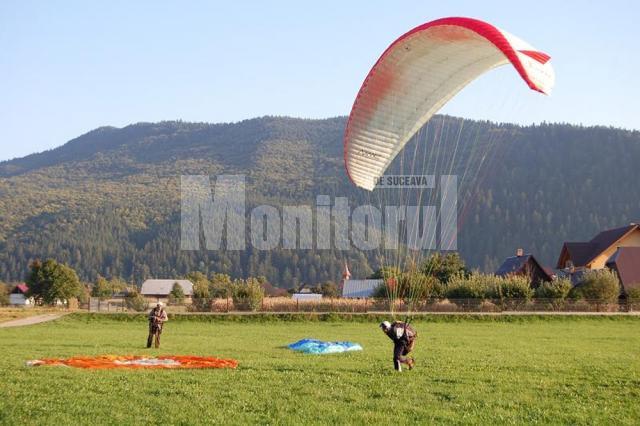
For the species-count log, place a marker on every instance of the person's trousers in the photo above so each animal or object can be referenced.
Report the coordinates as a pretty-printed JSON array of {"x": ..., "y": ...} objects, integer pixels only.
[
  {"x": 154, "y": 331},
  {"x": 399, "y": 355}
]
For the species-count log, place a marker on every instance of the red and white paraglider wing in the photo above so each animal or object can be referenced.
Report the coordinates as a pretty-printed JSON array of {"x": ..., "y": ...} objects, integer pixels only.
[
  {"x": 417, "y": 75},
  {"x": 538, "y": 72}
]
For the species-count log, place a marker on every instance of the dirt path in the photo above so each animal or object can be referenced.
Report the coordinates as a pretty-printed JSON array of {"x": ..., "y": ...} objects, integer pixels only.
[{"x": 36, "y": 319}]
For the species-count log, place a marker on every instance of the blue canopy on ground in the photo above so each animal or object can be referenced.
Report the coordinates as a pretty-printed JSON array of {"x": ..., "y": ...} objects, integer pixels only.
[{"x": 314, "y": 346}]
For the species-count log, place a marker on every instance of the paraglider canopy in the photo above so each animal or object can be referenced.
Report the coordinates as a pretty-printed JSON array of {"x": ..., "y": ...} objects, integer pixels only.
[{"x": 418, "y": 74}]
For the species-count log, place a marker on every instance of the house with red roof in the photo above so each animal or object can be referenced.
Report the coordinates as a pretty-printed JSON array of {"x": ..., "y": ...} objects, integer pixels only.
[
  {"x": 595, "y": 254},
  {"x": 626, "y": 263},
  {"x": 525, "y": 265},
  {"x": 18, "y": 296},
  {"x": 617, "y": 249}
]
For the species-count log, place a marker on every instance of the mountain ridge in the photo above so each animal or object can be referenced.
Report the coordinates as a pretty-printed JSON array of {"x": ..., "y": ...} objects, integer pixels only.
[{"x": 107, "y": 202}]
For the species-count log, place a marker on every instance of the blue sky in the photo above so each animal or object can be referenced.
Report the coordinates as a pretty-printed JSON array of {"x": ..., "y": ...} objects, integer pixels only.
[{"x": 68, "y": 67}]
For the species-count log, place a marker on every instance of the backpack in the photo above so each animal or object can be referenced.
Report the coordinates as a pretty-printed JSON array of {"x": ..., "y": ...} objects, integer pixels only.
[{"x": 401, "y": 329}]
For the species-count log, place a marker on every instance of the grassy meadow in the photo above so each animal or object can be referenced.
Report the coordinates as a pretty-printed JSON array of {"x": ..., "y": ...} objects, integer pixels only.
[{"x": 571, "y": 370}]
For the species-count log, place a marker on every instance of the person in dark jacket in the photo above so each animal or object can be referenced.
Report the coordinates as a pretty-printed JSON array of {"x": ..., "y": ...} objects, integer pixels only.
[
  {"x": 157, "y": 318},
  {"x": 404, "y": 338}
]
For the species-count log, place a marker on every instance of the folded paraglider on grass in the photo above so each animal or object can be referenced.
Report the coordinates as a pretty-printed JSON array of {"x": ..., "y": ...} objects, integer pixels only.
[
  {"x": 314, "y": 346},
  {"x": 134, "y": 361}
]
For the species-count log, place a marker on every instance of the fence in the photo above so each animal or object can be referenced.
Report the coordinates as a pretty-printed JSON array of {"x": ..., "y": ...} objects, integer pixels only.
[
  {"x": 339, "y": 305},
  {"x": 109, "y": 305}
]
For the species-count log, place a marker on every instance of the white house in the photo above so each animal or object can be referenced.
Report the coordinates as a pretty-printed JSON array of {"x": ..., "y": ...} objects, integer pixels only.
[
  {"x": 18, "y": 296},
  {"x": 160, "y": 289},
  {"x": 306, "y": 296},
  {"x": 359, "y": 288}
]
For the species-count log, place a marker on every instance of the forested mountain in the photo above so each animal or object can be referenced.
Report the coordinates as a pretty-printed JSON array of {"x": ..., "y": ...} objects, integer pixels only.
[{"x": 108, "y": 202}]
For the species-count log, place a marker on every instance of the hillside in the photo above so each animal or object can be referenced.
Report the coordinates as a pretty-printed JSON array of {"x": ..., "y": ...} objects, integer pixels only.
[{"x": 108, "y": 202}]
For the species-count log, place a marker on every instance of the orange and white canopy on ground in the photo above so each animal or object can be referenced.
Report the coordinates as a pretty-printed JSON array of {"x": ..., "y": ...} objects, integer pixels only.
[
  {"x": 419, "y": 73},
  {"x": 136, "y": 361}
]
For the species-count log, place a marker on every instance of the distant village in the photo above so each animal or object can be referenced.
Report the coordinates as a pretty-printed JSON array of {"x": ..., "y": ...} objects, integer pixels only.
[{"x": 617, "y": 250}]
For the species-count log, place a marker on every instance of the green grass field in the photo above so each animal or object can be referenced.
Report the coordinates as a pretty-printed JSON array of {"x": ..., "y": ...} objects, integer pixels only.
[{"x": 538, "y": 370}]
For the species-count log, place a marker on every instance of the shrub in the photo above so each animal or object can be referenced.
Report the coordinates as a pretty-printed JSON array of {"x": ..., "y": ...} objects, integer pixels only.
[
  {"x": 380, "y": 292},
  {"x": 474, "y": 286},
  {"x": 176, "y": 296},
  {"x": 220, "y": 286},
  {"x": 419, "y": 287},
  {"x": 554, "y": 294},
  {"x": 557, "y": 289},
  {"x": 329, "y": 289},
  {"x": 507, "y": 291},
  {"x": 247, "y": 294},
  {"x": 118, "y": 285},
  {"x": 510, "y": 292},
  {"x": 4, "y": 294},
  {"x": 385, "y": 273},
  {"x": 510, "y": 287},
  {"x": 410, "y": 287},
  {"x": 634, "y": 295},
  {"x": 444, "y": 267},
  {"x": 102, "y": 289},
  {"x": 633, "y": 298},
  {"x": 83, "y": 297},
  {"x": 135, "y": 301},
  {"x": 73, "y": 303},
  {"x": 201, "y": 299},
  {"x": 197, "y": 277},
  {"x": 600, "y": 285},
  {"x": 439, "y": 290}
]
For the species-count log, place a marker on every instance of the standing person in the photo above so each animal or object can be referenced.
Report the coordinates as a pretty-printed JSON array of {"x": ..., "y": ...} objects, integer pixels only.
[
  {"x": 157, "y": 318},
  {"x": 404, "y": 338}
]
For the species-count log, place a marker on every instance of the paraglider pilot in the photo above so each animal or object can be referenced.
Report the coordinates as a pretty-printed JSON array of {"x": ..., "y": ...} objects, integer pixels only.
[
  {"x": 404, "y": 338},
  {"x": 157, "y": 318}
]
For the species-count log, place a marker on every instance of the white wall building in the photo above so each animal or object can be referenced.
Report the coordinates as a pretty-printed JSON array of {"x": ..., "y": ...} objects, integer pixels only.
[
  {"x": 160, "y": 289},
  {"x": 18, "y": 296},
  {"x": 359, "y": 288}
]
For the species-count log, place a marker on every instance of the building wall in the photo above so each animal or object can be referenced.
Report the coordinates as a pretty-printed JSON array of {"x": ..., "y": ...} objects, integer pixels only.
[
  {"x": 631, "y": 240},
  {"x": 306, "y": 296},
  {"x": 359, "y": 288},
  {"x": 18, "y": 299},
  {"x": 150, "y": 298}
]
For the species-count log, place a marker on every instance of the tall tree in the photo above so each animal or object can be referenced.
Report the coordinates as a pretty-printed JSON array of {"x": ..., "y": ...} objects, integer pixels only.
[
  {"x": 50, "y": 281},
  {"x": 444, "y": 266},
  {"x": 102, "y": 288}
]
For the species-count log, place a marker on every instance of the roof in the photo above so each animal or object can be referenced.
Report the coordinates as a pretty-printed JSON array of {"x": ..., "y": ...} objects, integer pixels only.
[
  {"x": 516, "y": 264},
  {"x": 164, "y": 287},
  {"x": 606, "y": 239},
  {"x": 513, "y": 264},
  {"x": 582, "y": 253},
  {"x": 579, "y": 253},
  {"x": 360, "y": 288},
  {"x": 549, "y": 271},
  {"x": 21, "y": 288},
  {"x": 626, "y": 262}
]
